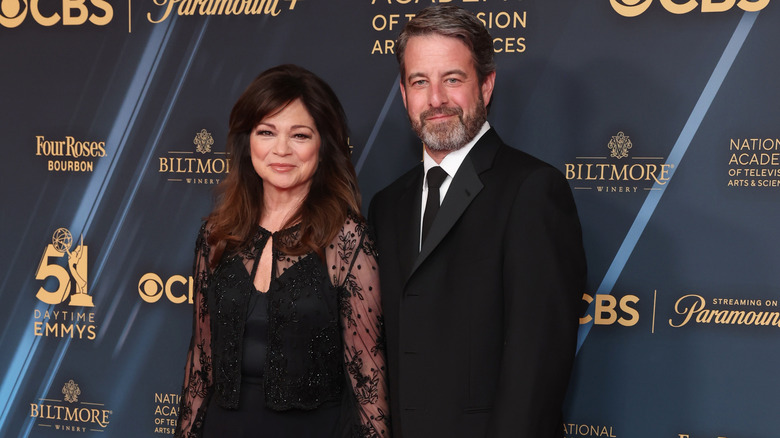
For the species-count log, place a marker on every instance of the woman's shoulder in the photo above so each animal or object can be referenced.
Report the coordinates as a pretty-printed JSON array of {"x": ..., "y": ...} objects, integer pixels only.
[
  {"x": 202, "y": 241},
  {"x": 353, "y": 228},
  {"x": 354, "y": 222},
  {"x": 204, "y": 231},
  {"x": 353, "y": 233}
]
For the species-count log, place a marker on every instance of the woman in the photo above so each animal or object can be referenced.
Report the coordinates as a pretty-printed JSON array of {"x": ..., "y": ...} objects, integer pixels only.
[{"x": 287, "y": 334}]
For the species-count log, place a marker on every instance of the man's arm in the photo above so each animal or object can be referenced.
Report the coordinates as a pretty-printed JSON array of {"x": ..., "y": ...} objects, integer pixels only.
[{"x": 544, "y": 277}]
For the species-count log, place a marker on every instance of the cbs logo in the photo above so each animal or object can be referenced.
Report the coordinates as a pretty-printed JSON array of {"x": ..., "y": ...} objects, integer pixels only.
[
  {"x": 74, "y": 13},
  {"x": 177, "y": 288},
  {"x": 632, "y": 8},
  {"x": 608, "y": 310}
]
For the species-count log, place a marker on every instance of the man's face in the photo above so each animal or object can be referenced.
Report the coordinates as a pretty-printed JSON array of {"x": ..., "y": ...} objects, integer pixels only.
[{"x": 441, "y": 92}]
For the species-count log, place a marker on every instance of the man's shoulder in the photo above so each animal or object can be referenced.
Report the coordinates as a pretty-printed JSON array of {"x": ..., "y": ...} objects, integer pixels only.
[
  {"x": 400, "y": 185},
  {"x": 515, "y": 161},
  {"x": 492, "y": 152}
]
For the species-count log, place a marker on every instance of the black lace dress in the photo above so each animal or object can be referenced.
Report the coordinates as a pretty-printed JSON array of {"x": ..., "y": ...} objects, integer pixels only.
[{"x": 304, "y": 359}]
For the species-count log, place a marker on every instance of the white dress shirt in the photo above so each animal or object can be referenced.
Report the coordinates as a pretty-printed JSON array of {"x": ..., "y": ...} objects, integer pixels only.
[{"x": 450, "y": 163}]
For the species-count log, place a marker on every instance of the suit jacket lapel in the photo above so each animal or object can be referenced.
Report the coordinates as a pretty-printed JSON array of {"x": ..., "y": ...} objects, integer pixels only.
[
  {"x": 465, "y": 186},
  {"x": 408, "y": 220}
]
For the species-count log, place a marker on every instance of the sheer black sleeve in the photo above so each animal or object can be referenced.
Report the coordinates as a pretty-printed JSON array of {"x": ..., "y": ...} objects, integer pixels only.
[
  {"x": 197, "y": 370},
  {"x": 352, "y": 262}
]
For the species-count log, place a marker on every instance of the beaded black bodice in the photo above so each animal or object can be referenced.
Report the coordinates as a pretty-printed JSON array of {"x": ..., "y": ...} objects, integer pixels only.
[{"x": 325, "y": 329}]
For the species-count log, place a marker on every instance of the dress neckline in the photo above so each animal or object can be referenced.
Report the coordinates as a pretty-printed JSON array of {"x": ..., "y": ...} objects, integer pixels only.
[
  {"x": 260, "y": 240},
  {"x": 290, "y": 229}
]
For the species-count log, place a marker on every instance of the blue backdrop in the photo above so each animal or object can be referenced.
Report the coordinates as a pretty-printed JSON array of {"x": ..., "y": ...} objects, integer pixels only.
[{"x": 663, "y": 116}]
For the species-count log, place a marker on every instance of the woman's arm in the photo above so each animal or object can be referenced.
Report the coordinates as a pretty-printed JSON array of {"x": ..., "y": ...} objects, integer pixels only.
[
  {"x": 352, "y": 262},
  {"x": 197, "y": 370}
]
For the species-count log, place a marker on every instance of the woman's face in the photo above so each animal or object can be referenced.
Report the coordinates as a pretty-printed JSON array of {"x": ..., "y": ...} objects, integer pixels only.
[{"x": 285, "y": 149}]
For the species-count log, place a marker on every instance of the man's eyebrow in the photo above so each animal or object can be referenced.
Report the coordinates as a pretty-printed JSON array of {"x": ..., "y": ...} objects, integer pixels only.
[{"x": 455, "y": 71}]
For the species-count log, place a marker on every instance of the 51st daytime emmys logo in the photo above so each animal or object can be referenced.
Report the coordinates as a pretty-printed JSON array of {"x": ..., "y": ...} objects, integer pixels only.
[
  {"x": 612, "y": 175},
  {"x": 63, "y": 269},
  {"x": 633, "y": 8}
]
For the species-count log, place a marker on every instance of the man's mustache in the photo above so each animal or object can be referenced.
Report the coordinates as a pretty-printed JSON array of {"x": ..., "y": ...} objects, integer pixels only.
[{"x": 441, "y": 111}]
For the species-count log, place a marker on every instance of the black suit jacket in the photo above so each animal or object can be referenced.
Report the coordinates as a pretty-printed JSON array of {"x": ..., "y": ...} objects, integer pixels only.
[{"x": 482, "y": 322}]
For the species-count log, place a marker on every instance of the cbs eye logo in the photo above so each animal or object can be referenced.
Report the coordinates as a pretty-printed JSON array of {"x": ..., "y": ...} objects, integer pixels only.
[
  {"x": 177, "y": 288},
  {"x": 632, "y": 8},
  {"x": 74, "y": 12}
]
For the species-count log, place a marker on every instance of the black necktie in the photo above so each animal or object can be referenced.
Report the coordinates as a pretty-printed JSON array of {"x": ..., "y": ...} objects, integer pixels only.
[{"x": 436, "y": 176}]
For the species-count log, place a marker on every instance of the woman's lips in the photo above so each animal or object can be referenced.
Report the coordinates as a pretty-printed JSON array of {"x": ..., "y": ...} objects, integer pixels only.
[{"x": 281, "y": 167}]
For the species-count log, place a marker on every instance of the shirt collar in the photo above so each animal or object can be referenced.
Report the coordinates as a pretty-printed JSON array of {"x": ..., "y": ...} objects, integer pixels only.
[{"x": 452, "y": 161}]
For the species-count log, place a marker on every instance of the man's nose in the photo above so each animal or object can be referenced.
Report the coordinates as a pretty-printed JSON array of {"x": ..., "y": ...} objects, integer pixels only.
[{"x": 438, "y": 96}]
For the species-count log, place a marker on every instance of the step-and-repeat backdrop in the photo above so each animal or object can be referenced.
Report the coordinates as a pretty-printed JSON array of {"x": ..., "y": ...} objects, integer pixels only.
[{"x": 664, "y": 115}]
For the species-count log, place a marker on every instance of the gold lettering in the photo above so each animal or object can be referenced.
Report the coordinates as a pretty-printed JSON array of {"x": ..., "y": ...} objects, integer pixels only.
[
  {"x": 70, "y": 5},
  {"x": 717, "y": 6},
  {"x": 215, "y": 7},
  {"x": 608, "y": 309},
  {"x": 697, "y": 305},
  {"x": 752, "y": 5},
  {"x": 676, "y": 8},
  {"x": 40, "y": 19},
  {"x": 169, "y": 7},
  {"x": 633, "y": 9},
  {"x": 618, "y": 175},
  {"x": 102, "y": 21}
]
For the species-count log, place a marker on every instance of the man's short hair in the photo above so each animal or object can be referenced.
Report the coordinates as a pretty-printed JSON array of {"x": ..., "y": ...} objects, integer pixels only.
[{"x": 454, "y": 22}]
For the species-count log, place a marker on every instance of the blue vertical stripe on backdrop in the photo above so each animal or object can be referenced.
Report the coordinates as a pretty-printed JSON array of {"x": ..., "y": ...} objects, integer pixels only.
[
  {"x": 379, "y": 121},
  {"x": 675, "y": 157}
]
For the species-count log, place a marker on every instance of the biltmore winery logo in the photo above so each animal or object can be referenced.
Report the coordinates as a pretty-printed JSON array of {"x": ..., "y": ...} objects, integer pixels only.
[
  {"x": 199, "y": 166},
  {"x": 69, "y": 413},
  {"x": 618, "y": 170}
]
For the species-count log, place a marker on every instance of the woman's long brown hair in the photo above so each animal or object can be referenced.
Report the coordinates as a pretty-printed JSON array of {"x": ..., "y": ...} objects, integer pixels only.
[{"x": 333, "y": 194}]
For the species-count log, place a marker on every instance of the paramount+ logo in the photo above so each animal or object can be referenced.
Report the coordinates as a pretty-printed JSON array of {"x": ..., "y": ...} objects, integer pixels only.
[
  {"x": 68, "y": 12},
  {"x": 632, "y": 8}
]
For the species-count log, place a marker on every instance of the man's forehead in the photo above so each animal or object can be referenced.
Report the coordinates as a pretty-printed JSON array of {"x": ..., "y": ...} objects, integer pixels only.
[
  {"x": 439, "y": 55},
  {"x": 435, "y": 39}
]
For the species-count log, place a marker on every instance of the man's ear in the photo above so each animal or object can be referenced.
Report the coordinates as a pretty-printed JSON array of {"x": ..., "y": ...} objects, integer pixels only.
[
  {"x": 487, "y": 87},
  {"x": 403, "y": 92}
]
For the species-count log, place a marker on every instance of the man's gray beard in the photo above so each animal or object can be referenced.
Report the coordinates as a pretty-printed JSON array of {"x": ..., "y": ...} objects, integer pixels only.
[{"x": 454, "y": 134}]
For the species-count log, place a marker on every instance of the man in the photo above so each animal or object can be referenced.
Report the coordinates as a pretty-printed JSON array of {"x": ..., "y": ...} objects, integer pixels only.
[{"x": 482, "y": 312}]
